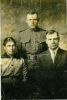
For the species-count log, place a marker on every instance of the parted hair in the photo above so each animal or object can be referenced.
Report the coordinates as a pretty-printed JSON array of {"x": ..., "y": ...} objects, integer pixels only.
[{"x": 8, "y": 39}]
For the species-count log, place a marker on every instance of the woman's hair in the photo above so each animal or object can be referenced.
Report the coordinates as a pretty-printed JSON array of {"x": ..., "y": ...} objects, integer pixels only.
[{"x": 8, "y": 39}]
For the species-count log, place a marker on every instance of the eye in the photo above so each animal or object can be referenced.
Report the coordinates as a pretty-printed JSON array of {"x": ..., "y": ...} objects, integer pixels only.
[
  {"x": 49, "y": 39},
  {"x": 13, "y": 45},
  {"x": 55, "y": 38},
  {"x": 8, "y": 45},
  {"x": 30, "y": 19},
  {"x": 35, "y": 19}
]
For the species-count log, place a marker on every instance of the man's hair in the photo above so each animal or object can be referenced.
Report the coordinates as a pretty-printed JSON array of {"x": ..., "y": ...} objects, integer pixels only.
[
  {"x": 9, "y": 39},
  {"x": 32, "y": 12},
  {"x": 52, "y": 32}
]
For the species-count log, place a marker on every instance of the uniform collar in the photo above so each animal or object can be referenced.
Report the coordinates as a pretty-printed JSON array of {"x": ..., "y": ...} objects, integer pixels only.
[{"x": 35, "y": 29}]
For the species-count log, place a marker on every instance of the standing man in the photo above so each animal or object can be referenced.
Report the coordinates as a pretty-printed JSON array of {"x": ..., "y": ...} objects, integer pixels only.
[
  {"x": 13, "y": 71},
  {"x": 52, "y": 71},
  {"x": 33, "y": 41}
]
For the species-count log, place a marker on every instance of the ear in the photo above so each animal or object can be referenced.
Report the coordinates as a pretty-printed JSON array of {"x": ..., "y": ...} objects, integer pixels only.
[
  {"x": 46, "y": 41},
  {"x": 59, "y": 38},
  {"x": 26, "y": 20},
  {"x": 38, "y": 19},
  {"x": 4, "y": 47}
]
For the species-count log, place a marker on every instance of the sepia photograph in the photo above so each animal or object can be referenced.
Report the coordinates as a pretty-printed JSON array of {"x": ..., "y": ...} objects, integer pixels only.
[{"x": 33, "y": 49}]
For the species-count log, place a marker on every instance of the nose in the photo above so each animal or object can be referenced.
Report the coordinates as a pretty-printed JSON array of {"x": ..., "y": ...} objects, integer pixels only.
[
  {"x": 52, "y": 40},
  {"x": 11, "y": 47},
  {"x": 32, "y": 21}
]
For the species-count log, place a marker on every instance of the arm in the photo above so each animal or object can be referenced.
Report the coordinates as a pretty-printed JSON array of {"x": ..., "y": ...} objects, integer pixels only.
[{"x": 24, "y": 72}]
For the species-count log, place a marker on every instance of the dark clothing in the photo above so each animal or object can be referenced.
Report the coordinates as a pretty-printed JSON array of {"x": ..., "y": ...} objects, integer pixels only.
[
  {"x": 53, "y": 76},
  {"x": 7, "y": 56},
  {"x": 50, "y": 79},
  {"x": 33, "y": 40},
  {"x": 13, "y": 73}
]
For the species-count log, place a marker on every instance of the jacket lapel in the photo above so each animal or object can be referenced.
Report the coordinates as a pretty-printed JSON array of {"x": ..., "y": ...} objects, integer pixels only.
[
  {"x": 58, "y": 57},
  {"x": 49, "y": 59}
]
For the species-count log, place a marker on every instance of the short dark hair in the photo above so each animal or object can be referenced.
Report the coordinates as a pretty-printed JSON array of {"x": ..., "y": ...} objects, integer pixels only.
[
  {"x": 52, "y": 32},
  {"x": 33, "y": 12},
  {"x": 8, "y": 39}
]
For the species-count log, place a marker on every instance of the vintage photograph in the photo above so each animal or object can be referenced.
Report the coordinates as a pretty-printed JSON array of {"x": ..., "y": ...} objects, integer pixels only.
[{"x": 33, "y": 49}]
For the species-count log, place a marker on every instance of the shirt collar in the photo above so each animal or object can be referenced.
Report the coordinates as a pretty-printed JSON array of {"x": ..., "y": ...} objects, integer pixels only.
[{"x": 51, "y": 51}]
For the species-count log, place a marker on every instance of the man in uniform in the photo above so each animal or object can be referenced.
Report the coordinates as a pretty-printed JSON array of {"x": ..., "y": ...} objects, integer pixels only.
[
  {"x": 33, "y": 38},
  {"x": 33, "y": 41}
]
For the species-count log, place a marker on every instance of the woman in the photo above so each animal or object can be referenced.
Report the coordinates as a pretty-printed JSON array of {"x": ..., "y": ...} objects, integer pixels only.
[{"x": 13, "y": 70}]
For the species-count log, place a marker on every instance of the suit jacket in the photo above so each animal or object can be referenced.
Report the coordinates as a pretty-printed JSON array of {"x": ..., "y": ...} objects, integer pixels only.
[
  {"x": 45, "y": 59},
  {"x": 52, "y": 78},
  {"x": 47, "y": 80}
]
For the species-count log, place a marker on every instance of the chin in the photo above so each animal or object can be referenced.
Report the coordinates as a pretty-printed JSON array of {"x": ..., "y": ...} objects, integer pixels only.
[
  {"x": 54, "y": 48},
  {"x": 32, "y": 27}
]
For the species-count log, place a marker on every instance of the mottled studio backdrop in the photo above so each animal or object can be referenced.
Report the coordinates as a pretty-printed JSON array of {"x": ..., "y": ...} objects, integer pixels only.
[{"x": 52, "y": 14}]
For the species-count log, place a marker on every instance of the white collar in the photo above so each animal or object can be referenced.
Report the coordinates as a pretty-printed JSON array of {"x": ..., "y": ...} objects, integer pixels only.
[
  {"x": 53, "y": 54},
  {"x": 51, "y": 51}
]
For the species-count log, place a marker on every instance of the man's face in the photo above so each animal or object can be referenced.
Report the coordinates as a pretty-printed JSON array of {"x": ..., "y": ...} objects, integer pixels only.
[
  {"x": 10, "y": 48},
  {"x": 32, "y": 20},
  {"x": 52, "y": 40}
]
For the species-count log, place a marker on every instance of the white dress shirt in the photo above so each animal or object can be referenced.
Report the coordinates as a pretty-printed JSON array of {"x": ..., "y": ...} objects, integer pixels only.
[{"x": 53, "y": 54}]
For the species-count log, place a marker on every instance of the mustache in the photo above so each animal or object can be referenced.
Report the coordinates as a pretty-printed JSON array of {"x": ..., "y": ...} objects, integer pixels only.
[{"x": 53, "y": 44}]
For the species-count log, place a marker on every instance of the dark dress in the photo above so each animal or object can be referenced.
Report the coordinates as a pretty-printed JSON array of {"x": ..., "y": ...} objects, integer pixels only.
[{"x": 12, "y": 75}]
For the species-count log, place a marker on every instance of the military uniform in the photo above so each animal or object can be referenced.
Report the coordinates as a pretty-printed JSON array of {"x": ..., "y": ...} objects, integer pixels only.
[
  {"x": 13, "y": 73},
  {"x": 33, "y": 41}
]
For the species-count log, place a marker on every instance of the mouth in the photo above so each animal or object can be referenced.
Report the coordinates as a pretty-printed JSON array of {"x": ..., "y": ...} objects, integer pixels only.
[
  {"x": 11, "y": 51},
  {"x": 53, "y": 43}
]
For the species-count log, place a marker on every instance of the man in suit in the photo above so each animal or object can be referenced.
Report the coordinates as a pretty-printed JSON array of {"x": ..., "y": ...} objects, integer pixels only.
[{"x": 50, "y": 74}]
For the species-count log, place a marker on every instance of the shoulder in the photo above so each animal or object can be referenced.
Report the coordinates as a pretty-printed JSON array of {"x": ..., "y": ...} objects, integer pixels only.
[
  {"x": 42, "y": 32},
  {"x": 8, "y": 61},
  {"x": 41, "y": 29},
  {"x": 4, "y": 55},
  {"x": 25, "y": 35},
  {"x": 24, "y": 30},
  {"x": 19, "y": 61},
  {"x": 5, "y": 60},
  {"x": 62, "y": 51},
  {"x": 43, "y": 54}
]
